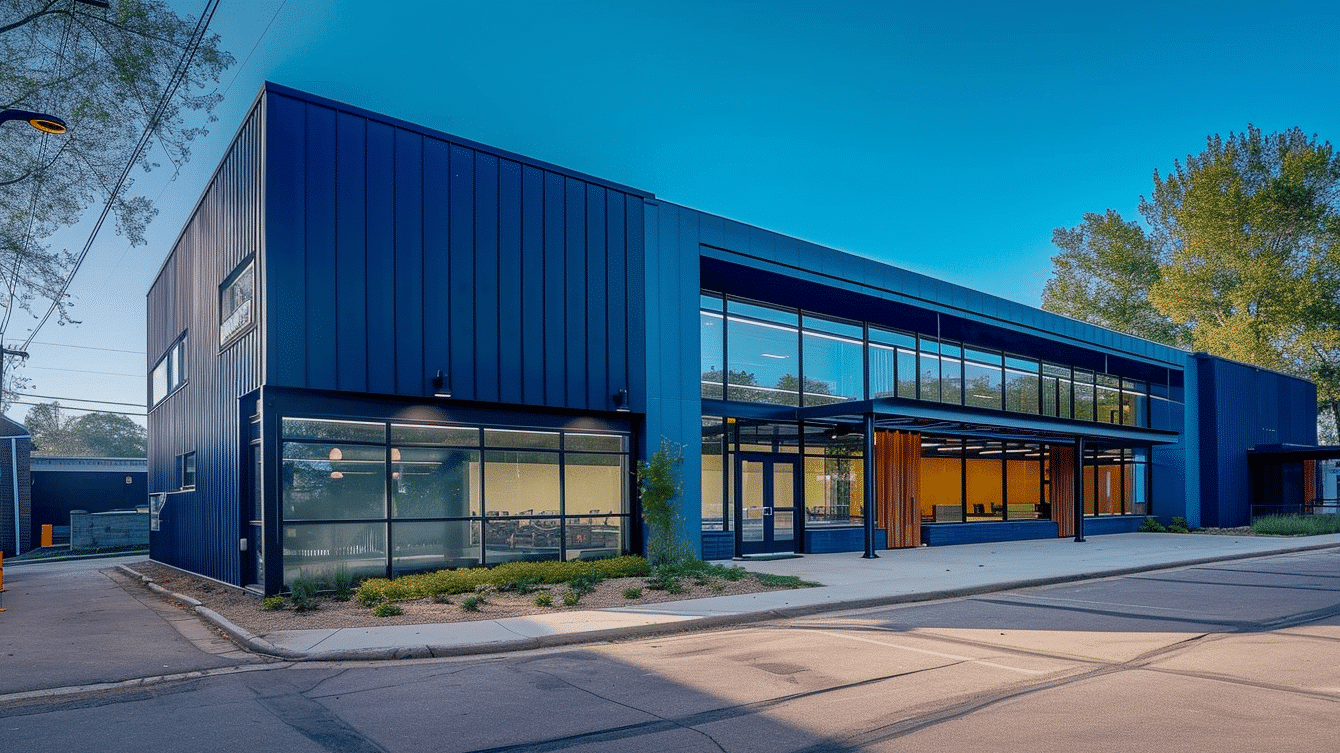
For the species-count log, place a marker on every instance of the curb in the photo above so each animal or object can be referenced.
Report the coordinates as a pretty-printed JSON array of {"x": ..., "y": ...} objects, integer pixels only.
[
  {"x": 75, "y": 558},
  {"x": 258, "y": 645}
]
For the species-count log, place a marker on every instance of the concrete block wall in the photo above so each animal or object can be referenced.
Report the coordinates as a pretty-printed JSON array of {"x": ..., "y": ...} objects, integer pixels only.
[{"x": 108, "y": 529}]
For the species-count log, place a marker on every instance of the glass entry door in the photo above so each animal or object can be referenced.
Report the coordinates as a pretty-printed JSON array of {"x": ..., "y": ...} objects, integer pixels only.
[{"x": 765, "y": 503}]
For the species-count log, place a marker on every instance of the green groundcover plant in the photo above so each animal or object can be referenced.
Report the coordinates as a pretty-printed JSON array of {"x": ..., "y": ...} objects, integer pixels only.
[{"x": 466, "y": 580}]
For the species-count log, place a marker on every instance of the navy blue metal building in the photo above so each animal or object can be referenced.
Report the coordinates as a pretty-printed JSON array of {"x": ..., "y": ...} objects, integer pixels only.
[{"x": 382, "y": 348}]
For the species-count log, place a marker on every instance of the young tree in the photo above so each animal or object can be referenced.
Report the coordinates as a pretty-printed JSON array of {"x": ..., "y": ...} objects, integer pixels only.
[
  {"x": 1239, "y": 256},
  {"x": 111, "y": 73},
  {"x": 99, "y": 435}
]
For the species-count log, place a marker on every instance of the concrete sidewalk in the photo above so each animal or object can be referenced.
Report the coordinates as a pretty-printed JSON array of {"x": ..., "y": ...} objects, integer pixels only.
[{"x": 850, "y": 582}]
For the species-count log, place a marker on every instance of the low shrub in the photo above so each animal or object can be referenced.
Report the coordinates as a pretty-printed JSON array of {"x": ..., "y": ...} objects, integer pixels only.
[
  {"x": 1178, "y": 525},
  {"x": 273, "y": 603},
  {"x": 343, "y": 584},
  {"x": 632, "y": 593},
  {"x": 544, "y": 599},
  {"x": 465, "y": 580},
  {"x": 522, "y": 586},
  {"x": 1296, "y": 525},
  {"x": 303, "y": 593},
  {"x": 441, "y": 599},
  {"x": 387, "y": 609},
  {"x": 571, "y": 598},
  {"x": 1151, "y": 524},
  {"x": 584, "y": 584},
  {"x": 471, "y": 603}
]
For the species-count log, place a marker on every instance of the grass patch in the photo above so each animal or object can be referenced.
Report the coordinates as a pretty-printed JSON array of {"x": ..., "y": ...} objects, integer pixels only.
[
  {"x": 1296, "y": 525},
  {"x": 632, "y": 593},
  {"x": 387, "y": 610},
  {"x": 467, "y": 580},
  {"x": 784, "y": 581}
]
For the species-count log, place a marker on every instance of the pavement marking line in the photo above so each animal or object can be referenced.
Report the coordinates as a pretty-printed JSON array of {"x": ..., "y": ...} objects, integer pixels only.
[
  {"x": 955, "y": 657},
  {"x": 138, "y": 682}
]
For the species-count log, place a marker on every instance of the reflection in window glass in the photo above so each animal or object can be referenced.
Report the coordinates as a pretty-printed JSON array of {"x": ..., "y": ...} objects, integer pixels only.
[
  {"x": 834, "y": 369},
  {"x": 951, "y": 379},
  {"x": 907, "y": 374},
  {"x": 445, "y": 436},
  {"x": 333, "y": 482},
  {"x": 929, "y": 367},
  {"x": 318, "y": 551},
  {"x": 540, "y": 440},
  {"x": 1021, "y": 391},
  {"x": 434, "y": 545},
  {"x": 593, "y": 442},
  {"x": 594, "y": 536},
  {"x": 353, "y": 431},
  {"x": 711, "y": 331},
  {"x": 1134, "y": 403},
  {"x": 1084, "y": 395},
  {"x": 434, "y": 483},
  {"x": 883, "y": 371},
  {"x": 1108, "y": 399},
  {"x": 763, "y": 363},
  {"x": 982, "y": 385}
]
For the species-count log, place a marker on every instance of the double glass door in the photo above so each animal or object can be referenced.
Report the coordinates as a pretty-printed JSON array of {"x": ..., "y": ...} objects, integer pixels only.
[{"x": 765, "y": 503}]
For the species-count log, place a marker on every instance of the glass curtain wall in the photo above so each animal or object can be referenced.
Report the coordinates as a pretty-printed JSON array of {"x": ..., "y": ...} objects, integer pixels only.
[
  {"x": 752, "y": 352},
  {"x": 374, "y": 498}
]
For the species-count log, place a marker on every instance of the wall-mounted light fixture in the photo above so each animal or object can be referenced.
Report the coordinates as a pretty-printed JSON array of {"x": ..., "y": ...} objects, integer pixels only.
[
  {"x": 440, "y": 386},
  {"x": 621, "y": 401}
]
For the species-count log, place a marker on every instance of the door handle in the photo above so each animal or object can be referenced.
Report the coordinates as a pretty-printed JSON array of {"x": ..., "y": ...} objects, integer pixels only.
[{"x": 767, "y": 511}]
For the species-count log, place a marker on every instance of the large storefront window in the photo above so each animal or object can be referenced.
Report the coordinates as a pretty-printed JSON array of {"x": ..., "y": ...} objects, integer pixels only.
[
  {"x": 446, "y": 496},
  {"x": 757, "y": 353}
]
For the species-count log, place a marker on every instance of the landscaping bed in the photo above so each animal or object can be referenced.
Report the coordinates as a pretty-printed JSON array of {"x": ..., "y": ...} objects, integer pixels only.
[{"x": 244, "y": 609}]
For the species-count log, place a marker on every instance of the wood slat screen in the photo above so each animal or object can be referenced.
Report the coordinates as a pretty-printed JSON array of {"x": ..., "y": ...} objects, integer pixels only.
[
  {"x": 1062, "y": 462},
  {"x": 1309, "y": 482},
  {"x": 898, "y": 481}
]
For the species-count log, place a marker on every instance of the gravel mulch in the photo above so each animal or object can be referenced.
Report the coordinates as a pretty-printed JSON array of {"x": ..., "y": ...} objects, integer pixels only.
[{"x": 243, "y": 608}]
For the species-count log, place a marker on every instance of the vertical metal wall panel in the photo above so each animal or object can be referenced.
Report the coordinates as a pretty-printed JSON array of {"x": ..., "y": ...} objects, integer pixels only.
[
  {"x": 319, "y": 225},
  {"x": 616, "y": 291},
  {"x": 533, "y": 319},
  {"x": 399, "y": 251},
  {"x": 636, "y": 239},
  {"x": 436, "y": 257},
  {"x": 511, "y": 282},
  {"x": 597, "y": 269},
  {"x": 462, "y": 276},
  {"x": 380, "y": 249},
  {"x": 487, "y": 278},
  {"x": 555, "y": 292},
  {"x": 285, "y": 193},
  {"x": 575, "y": 290},
  {"x": 201, "y": 527},
  {"x": 351, "y": 310},
  {"x": 409, "y": 281}
]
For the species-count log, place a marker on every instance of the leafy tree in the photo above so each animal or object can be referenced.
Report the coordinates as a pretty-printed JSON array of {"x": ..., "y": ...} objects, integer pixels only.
[
  {"x": 1238, "y": 255},
  {"x": 112, "y": 74},
  {"x": 100, "y": 435},
  {"x": 662, "y": 492}
]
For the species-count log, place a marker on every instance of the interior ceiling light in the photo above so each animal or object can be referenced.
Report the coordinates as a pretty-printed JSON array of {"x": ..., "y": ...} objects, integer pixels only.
[
  {"x": 336, "y": 474},
  {"x": 336, "y": 454}
]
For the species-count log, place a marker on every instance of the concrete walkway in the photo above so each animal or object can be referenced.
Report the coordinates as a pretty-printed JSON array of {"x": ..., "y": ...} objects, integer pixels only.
[{"x": 850, "y": 582}]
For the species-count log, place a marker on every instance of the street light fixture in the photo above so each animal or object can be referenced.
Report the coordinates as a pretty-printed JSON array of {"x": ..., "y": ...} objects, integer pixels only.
[{"x": 40, "y": 121}]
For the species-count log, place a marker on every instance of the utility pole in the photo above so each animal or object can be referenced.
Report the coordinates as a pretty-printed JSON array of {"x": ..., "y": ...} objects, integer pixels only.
[{"x": 4, "y": 354}]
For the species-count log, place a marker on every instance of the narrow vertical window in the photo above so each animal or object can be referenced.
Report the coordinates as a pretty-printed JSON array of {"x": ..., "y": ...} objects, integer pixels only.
[{"x": 236, "y": 302}]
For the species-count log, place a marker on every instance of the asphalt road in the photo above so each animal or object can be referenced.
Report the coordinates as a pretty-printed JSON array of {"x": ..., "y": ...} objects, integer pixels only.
[{"x": 1239, "y": 656}]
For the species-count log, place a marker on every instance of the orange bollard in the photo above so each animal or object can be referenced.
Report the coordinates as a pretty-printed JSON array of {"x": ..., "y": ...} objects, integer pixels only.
[{"x": 46, "y": 535}]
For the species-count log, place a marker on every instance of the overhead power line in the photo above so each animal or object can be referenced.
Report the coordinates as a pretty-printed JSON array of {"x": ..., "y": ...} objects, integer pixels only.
[
  {"x": 178, "y": 75},
  {"x": 77, "y": 399},
  {"x": 90, "y": 347},
  {"x": 83, "y": 410}
]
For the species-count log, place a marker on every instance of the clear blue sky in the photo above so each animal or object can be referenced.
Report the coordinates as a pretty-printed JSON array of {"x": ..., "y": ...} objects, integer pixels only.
[{"x": 949, "y": 138}]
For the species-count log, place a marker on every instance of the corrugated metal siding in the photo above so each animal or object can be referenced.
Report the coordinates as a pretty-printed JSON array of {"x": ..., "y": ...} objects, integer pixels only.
[
  {"x": 395, "y": 252},
  {"x": 201, "y": 527}
]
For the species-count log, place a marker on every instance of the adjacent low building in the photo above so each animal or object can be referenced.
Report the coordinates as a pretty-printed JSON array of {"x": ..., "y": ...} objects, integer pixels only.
[{"x": 380, "y": 348}]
